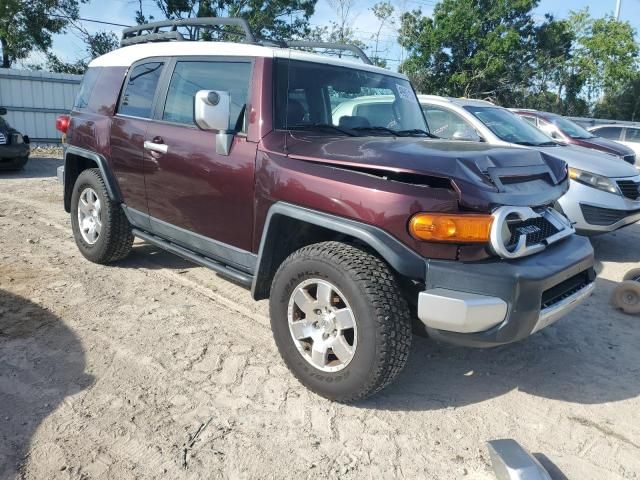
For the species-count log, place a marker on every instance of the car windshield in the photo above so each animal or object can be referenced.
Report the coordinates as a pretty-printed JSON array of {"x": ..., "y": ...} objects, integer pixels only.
[
  {"x": 346, "y": 101},
  {"x": 570, "y": 128},
  {"x": 510, "y": 127}
]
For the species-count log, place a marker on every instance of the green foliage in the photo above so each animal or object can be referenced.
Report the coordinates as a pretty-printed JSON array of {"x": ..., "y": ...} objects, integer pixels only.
[
  {"x": 95, "y": 44},
  {"x": 383, "y": 11},
  {"x": 494, "y": 49},
  {"x": 29, "y": 25},
  {"x": 471, "y": 48},
  {"x": 623, "y": 104},
  {"x": 270, "y": 19}
]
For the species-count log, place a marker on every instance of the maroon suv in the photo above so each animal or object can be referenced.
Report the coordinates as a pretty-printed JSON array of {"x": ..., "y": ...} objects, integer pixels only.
[
  {"x": 567, "y": 131},
  {"x": 230, "y": 155}
]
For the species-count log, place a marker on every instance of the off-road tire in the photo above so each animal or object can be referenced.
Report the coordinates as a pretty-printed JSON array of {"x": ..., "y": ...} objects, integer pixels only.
[
  {"x": 115, "y": 239},
  {"x": 17, "y": 165},
  {"x": 380, "y": 311}
]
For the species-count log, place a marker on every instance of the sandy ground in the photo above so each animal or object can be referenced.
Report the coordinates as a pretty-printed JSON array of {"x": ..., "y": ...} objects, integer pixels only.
[{"x": 155, "y": 368}]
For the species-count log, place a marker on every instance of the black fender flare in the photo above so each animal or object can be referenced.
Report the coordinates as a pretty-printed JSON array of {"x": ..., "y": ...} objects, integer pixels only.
[
  {"x": 71, "y": 173},
  {"x": 400, "y": 257}
]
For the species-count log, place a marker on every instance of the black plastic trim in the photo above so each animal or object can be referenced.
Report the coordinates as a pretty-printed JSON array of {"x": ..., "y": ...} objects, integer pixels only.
[
  {"x": 521, "y": 283},
  {"x": 112, "y": 187},
  {"x": 401, "y": 258}
]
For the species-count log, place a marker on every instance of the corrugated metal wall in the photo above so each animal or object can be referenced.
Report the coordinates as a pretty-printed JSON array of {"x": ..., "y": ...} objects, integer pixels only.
[{"x": 34, "y": 99}]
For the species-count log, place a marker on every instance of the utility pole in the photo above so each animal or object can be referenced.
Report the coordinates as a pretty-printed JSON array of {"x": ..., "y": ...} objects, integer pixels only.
[{"x": 618, "y": 4}]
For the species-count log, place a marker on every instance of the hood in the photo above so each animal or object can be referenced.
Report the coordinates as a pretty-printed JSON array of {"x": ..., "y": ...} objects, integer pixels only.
[
  {"x": 605, "y": 144},
  {"x": 484, "y": 176},
  {"x": 590, "y": 160}
]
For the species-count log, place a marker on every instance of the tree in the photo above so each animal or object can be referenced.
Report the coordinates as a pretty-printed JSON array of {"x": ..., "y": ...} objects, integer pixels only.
[
  {"x": 383, "y": 11},
  {"x": 29, "y": 25},
  {"x": 269, "y": 19},
  {"x": 604, "y": 55},
  {"x": 95, "y": 45},
  {"x": 471, "y": 48},
  {"x": 622, "y": 105}
]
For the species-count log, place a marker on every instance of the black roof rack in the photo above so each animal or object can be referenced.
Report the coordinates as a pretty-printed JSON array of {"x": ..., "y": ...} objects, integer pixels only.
[
  {"x": 157, "y": 32},
  {"x": 153, "y": 32}
]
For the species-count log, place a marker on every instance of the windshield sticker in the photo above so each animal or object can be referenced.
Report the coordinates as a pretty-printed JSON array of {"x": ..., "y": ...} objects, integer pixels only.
[{"x": 405, "y": 93}]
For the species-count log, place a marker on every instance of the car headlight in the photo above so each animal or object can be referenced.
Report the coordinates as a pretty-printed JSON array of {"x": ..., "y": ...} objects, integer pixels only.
[
  {"x": 17, "y": 138},
  {"x": 592, "y": 180}
]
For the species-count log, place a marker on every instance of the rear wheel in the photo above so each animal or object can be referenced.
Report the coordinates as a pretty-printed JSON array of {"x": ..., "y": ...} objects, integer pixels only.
[
  {"x": 339, "y": 320},
  {"x": 100, "y": 227}
]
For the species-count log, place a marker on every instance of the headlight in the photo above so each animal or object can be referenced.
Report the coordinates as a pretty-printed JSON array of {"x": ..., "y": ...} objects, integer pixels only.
[
  {"x": 592, "y": 180},
  {"x": 17, "y": 138}
]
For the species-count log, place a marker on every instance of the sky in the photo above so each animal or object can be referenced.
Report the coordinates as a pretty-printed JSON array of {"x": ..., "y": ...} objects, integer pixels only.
[{"x": 69, "y": 47}]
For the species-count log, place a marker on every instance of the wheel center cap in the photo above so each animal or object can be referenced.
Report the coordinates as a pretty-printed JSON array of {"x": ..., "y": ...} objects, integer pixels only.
[{"x": 327, "y": 323}]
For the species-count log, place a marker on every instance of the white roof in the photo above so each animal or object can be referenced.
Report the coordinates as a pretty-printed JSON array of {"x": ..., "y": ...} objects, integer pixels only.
[{"x": 125, "y": 56}]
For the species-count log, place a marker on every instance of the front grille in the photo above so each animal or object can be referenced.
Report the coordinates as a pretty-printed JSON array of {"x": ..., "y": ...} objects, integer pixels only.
[
  {"x": 3, "y": 139},
  {"x": 629, "y": 189},
  {"x": 631, "y": 158},
  {"x": 604, "y": 216},
  {"x": 567, "y": 288},
  {"x": 536, "y": 229}
]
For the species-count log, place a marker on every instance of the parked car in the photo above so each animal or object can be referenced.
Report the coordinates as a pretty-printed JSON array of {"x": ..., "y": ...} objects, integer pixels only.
[
  {"x": 227, "y": 154},
  {"x": 567, "y": 131},
  {"x": 14, "y": 147},
  {"x": 604, "y": 194},
  {"x": 627, "y": 135}
]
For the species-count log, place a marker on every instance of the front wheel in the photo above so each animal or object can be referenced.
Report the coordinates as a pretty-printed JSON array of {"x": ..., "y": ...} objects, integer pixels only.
[
  {"x": 339, "y": 320},
  {"x": 100, "y": 227}
]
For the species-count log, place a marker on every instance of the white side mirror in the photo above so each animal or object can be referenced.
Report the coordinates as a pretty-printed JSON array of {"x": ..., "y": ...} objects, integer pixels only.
[
  {"x": 212, "y": 110},
  {"x": 467, "y": 135}
]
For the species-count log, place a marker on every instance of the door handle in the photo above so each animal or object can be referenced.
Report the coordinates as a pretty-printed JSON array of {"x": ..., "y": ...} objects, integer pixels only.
[{"x": 156, "y": 147}]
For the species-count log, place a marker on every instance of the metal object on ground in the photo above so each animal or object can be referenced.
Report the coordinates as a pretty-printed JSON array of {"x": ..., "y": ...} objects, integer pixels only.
[{"x": 512, "y": 462}]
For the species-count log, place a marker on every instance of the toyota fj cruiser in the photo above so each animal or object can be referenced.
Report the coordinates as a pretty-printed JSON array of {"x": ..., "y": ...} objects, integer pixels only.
[{"x": 228, "y": 155}]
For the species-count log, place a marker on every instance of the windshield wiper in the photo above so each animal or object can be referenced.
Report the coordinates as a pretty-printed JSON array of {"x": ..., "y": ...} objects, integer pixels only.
[
  {"x": 375, "y": 129},
  {"x": 548, "y": 144},
  {"x": 321, "y": 126},
  {"x": 416, "y": 131}
]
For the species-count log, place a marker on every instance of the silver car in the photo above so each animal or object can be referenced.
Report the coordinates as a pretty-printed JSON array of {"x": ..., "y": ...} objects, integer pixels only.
[{"x": 604, "y": 192}]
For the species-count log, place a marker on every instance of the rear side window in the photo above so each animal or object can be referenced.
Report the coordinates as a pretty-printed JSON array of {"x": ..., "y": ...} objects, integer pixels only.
[
  {"x": 633, "y": 135},
  {"x": 612, "y": 133},
  {"x": 86, "y": 87},
  {"x": 189, "y": 77},
  {"x": 444, "y": 123},
  {"x": 531, "y": 120},
  {"x": 137, "y": 100}
]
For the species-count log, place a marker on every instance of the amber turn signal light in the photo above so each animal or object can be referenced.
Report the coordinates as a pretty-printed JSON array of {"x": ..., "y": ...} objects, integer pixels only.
[{"x": 442, "y": 227}]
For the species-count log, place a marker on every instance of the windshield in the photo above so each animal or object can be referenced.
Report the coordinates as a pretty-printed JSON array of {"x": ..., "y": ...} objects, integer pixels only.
[
  {"x": 510, "y": 127},
  {"x": 343, "y": 100},
  {"x": 570, "y": 128}
]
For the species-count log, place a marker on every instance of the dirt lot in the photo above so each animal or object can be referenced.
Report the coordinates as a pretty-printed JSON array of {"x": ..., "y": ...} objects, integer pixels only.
[{"x": 155, "y": 368}]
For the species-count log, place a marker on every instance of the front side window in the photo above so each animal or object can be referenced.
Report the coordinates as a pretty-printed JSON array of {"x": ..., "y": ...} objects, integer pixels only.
[
  {"x": 445, "y": 124},
  {"x": 509, "y": 127},
  {"x": 334, "y": 99},
  {"x": 137, "y": 100},
  {"x": 633, "y": 135},
  {"x": 611, "y": 133},
  {"x": 190, "y": 77},
  {"x": 570, "y": 128}
]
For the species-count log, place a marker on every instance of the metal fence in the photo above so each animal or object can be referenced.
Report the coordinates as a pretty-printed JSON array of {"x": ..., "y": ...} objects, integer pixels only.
[{"x": 34, "y": 99}]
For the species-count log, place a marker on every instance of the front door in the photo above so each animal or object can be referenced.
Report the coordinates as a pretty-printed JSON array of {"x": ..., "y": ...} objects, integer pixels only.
[{"x": 196, "y": 197}]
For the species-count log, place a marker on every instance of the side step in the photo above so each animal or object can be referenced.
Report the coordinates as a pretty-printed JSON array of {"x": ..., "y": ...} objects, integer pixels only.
[{"x": 243, "y": 278}]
